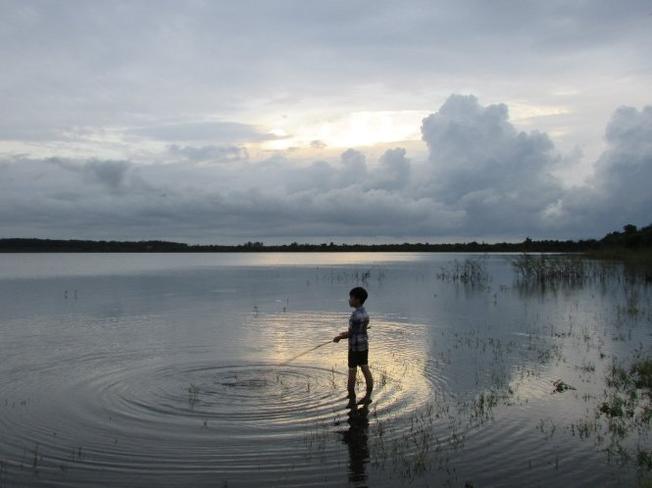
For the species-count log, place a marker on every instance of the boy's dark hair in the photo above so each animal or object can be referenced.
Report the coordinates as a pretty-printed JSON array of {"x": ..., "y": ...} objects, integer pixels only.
[{"x": 359, "y": 293}]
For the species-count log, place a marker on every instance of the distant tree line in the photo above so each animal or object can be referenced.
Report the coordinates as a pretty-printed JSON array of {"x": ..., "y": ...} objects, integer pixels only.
[{"x": 630, "y": 238}]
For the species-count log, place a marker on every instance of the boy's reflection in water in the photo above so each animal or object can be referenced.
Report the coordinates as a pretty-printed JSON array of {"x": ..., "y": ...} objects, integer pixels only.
[{"x": 356, "y": 439}]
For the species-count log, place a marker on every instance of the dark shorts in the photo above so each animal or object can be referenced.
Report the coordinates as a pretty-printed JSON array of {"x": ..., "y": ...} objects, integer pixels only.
[{"x": 358, "y": 358}]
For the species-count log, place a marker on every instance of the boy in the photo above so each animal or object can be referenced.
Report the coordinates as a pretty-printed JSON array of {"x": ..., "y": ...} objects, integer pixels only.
[{"x": 358, "y": 344}]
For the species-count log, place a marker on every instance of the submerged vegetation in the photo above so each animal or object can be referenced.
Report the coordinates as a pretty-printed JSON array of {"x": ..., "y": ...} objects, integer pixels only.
[
  {"x": 546, "y": 268},
  {"x": 621, "y": 421},
  {"x": 471, "y": 271},
  {"x": 575, "y": 270}
]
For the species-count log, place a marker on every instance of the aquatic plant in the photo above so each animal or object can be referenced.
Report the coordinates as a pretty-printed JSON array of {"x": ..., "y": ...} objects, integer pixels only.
[
  {"x": 471, "y": 271},
  {"x": 550, "y": 268},
  {"x": 644, "y": 459},
  {"x": 193, "y": 393},
  {"x": 561, "y": 386},
  {"x": 624, "y": 414},
  {"x": 354, "y": 276},
  {"x": 641, "y": 373},
  {"x": 332, "y": 378}
]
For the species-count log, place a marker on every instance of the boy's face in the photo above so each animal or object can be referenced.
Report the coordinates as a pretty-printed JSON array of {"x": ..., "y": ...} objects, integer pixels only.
[{"x": 353, "y": 301}]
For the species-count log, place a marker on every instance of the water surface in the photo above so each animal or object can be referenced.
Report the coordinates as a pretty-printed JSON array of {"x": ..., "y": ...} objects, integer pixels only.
[{"x": 169, "y": 370}]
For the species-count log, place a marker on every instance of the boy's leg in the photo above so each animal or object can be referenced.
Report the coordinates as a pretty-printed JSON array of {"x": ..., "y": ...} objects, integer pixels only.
[
  {"x": 369, "y": 380},
  {"x": 351, "y": 383}
]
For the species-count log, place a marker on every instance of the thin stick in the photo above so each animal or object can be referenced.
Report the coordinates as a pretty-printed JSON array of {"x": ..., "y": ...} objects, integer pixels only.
[{"x": 305, "y": 352}]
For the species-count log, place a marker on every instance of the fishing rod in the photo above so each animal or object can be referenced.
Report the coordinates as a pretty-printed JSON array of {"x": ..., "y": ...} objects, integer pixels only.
[
  {"x": 306, "y": 352},
  {"x": 309, "y": 350}
]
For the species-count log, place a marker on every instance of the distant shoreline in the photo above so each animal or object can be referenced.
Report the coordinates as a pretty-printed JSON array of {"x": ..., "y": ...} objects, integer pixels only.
[
  {"x": 631, "y": 243},
  {"x": 52, "y": 245}
]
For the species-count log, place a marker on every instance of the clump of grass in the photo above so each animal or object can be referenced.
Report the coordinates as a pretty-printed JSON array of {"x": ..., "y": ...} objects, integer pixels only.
[
  {"x": 638, "y": 376},
  {"x": 471, "y": 271},
  {"x": 615, "y": 407},
  {"x": 193, "y": 394},
  {"x": 624, "y": 413},
  {"x": 332, "y": 378},
  {"x": 584, "y": 428},
  {"x": 641, "y": 373},
  {"x": 644, "y": 459},
  {"x": 35, "y": 461},
  {"x": 587, "y": 367},
  {"x": 549, "y": 268},
  {"x": 618, "y": 377}
]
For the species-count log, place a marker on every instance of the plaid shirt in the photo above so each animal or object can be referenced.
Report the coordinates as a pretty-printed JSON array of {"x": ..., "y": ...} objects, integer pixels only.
[{"x": 358, "y": 340}]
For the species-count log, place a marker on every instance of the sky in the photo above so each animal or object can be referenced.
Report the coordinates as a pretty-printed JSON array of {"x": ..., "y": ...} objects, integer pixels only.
[{"x": 344, "y": 121}]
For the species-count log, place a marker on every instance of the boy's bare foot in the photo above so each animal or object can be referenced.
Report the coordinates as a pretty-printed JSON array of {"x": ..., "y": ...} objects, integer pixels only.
[
  {"x": 351, "y": 396},
  {"x": 365, "y": 400}
]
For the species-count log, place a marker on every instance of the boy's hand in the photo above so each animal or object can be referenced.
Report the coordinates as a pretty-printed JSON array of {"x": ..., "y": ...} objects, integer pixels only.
[{"x": 339, "y": 336}]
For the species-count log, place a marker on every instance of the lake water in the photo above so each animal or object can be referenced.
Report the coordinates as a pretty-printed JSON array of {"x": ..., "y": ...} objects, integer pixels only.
[{"x": 141, "y": 370}]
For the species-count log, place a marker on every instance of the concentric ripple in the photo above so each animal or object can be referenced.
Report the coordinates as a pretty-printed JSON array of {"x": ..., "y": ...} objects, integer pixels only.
[{"x": 138, "y": 418}]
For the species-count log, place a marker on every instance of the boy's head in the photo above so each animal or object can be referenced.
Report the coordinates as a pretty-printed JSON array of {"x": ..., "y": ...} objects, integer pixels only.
[{"x": 357, "y": 296}]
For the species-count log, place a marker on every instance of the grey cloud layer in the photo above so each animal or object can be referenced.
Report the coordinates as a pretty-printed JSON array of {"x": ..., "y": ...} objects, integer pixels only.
[
  {"x": 122, "y": 64},
  {"x": 482, "y": 177}
]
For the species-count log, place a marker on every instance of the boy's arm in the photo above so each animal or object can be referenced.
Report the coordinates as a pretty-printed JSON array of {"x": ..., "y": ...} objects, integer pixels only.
[{"x": 341, "y": 335}]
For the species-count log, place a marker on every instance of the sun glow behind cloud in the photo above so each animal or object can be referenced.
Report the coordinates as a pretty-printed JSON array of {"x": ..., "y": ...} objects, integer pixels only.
[
  {"x": 520, "y": 110},
  {"x": 354, "y": 129},
  {"x": 371, "y": 127}
]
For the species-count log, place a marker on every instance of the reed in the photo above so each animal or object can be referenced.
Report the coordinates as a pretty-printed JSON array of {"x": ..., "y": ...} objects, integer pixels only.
[{"x": 471, "y": 271}]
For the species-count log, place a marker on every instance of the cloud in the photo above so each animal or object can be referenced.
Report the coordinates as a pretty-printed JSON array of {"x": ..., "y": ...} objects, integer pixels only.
[
  {"x": 354, "y": 162},
  {"x": 156, "y": 203},
  {"x": 394, "y": 170},
  {"x": 619, "y": 190},
  {"x": 317, "y": 144},
  {"x": 480, "y": 163},
  {"x": 111, "y": 174},
  {"x": 12, "y": 132},
  {"x": 481, "y": 177},
  {"x": 142, "y": 62},
  {"x": 322, "y": 175},
  {"x": 229, "y": 132},
  {"x": 210, "y": 153},
  {"x": 624, "y": 171}
]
